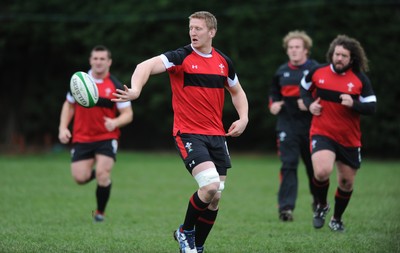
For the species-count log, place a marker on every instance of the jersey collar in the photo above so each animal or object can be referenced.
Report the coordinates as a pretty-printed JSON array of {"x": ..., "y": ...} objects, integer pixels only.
[{"x": 202, "y": 54}]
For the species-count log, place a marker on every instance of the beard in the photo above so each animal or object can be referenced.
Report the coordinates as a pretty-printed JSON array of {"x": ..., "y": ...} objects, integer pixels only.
[{"x": 341, "y": 70}]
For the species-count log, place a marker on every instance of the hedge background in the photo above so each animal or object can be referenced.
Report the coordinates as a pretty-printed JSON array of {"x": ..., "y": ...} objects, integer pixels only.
[{"x": 43, "y": 42}]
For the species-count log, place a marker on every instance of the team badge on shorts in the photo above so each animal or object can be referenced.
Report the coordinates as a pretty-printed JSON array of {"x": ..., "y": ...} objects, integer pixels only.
[{"x": 188, "y": 147}]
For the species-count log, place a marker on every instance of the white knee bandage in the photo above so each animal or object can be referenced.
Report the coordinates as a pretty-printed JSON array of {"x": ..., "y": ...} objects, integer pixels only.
[{"x": 207, "y": 177}]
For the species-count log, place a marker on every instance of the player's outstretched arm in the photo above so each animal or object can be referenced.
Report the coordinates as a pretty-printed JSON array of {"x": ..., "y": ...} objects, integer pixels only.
[{"x": 139, "y": 78}]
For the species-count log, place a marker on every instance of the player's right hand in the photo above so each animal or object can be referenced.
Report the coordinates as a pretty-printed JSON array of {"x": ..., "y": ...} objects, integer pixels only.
[
  {"x": 316, "y": 107},
  {"x": 64, "y": 135},
  {"x": 126, "y": 94}
]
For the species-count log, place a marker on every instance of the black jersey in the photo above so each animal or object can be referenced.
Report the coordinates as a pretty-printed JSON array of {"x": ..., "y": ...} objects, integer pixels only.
[{"x": 286, "y": 86}]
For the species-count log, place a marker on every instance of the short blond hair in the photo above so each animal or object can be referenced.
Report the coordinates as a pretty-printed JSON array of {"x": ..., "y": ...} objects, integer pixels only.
[
  {"x": 211, "y": 20},
  {"x": 297, "y": 34}
]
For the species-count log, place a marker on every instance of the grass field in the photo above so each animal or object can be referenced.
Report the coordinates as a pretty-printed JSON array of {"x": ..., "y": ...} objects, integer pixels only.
[{"x": 43, "y": 210}]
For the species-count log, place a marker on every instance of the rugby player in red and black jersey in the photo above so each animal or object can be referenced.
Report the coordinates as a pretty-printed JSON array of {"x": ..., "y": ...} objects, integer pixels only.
[
  {"x": 294, "y": 120},
  {"x": 337, "y": 94},
  {"x": 199, "y": 75},
  {"x": 95, "y": 130}
]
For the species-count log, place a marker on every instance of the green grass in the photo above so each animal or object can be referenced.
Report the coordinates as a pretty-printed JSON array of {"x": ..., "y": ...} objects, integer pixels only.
[{"x": 43, "y": 210}]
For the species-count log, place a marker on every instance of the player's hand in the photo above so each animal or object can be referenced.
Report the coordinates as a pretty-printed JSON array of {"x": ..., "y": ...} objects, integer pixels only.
[
  {"x": 110, "y": 123},
  {"x": 347, "y": 100},
  {"x": 125, "y": 95},
  {"x": 316, "y": 107},
  {"x": 276, "y": 107},
  {"x": 301, "y": 105},
  {"x": 64, "y": 135},
  {"x": 237, "y": 128}
]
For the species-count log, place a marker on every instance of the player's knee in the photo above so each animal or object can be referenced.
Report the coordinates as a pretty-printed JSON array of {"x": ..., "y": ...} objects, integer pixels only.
[
  {"x": 80, "y": 180},
  {"x": 208, "y": 181},
  {"x": 322, "y": 173},
  {"x": 215, "y": 201},
  {"x": 346, "y": 185},
  {"x": 103, "y": 177}
]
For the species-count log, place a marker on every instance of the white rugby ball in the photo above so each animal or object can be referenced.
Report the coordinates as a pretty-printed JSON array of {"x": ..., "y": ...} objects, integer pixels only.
[{"x": 84, "y": 89}]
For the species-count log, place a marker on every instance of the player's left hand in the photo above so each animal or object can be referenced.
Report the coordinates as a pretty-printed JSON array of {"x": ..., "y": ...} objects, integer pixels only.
[
  {"x": 347, "y": 100},
  {"x": 237, "y": 128},
  {"x": 110, "y": 124}
]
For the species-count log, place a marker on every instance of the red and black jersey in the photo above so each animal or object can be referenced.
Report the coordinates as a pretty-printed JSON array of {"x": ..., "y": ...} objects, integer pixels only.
[
  {"x": 286, "y": 86},
  {"x": 88, "y": 125},
  {"x": 198, "y": 84},
  {"x": 338, "y": 122}
]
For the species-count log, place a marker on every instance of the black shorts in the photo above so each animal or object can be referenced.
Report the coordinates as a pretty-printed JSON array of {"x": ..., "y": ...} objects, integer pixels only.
[
  {"x": 347, "y": 155},
  {"x": 84, "y": 151},
  {"x": 195, "y": 149}
]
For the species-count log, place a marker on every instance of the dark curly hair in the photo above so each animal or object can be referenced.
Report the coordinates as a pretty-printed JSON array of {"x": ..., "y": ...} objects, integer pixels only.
[{"x": 359, "y": 60}]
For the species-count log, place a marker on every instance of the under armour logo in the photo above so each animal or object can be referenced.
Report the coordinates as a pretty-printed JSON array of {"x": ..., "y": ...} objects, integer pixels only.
[
  {"x": 194, "y": 67},
  {"x": 191, "y": 163},
  {"x": 321, "y": 81},
  {"x": 286, "y": 74}
]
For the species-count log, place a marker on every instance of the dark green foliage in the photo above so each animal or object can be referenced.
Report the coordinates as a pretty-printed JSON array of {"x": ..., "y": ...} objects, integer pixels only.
[{"x": 43, "y": 42}]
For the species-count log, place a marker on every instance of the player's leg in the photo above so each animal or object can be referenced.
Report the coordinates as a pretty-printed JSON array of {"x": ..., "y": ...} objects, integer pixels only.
[
  {"x": 323, "y": 161},
  {"x": 346, "y": 176},
  {"x": 211, "y": 157},
  {"x": 289, "y": 152},
  {"x": 103, "y": 176},
  {"x": 306, "y": 157},
  {"x": 105, "y": 159},
  {"x": 347, "y": 165},
  {"x": 194, "y": 153},
  {"x": 82, "y": 161},
  {"x": 208, "y": 180},
  {"x": 207, "y": 219},
  {"x": 323, "y": 158},
  {"x": 82, "y": 171},
  {"x": 220, "y": 155}
]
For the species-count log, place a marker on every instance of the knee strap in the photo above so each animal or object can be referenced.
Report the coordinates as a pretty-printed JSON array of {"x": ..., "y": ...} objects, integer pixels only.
[{"x": 207, "y": 177}]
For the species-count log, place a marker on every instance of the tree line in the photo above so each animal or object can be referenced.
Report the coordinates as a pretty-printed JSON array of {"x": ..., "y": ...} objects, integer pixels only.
[{"x": 43, "y": 43}]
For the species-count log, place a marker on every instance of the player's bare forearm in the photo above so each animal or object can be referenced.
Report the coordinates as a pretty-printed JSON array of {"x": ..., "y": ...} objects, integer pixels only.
[
  {"x": 67, "y": 112},
  {"x": 239, "y": 100},
  {"x": 139, "y": 79},
  {"x": 125, "y": 117}
]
